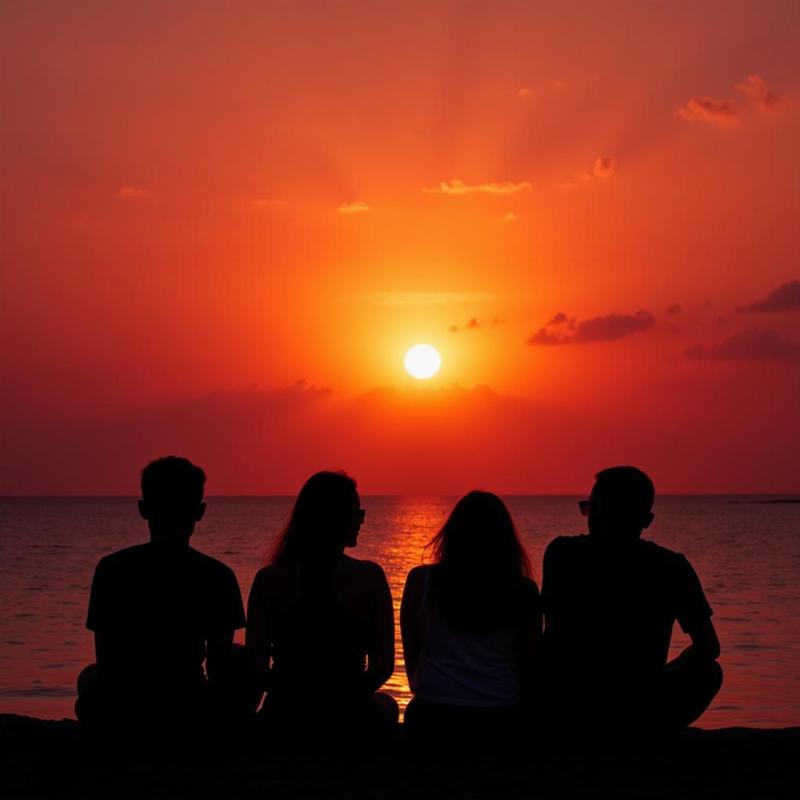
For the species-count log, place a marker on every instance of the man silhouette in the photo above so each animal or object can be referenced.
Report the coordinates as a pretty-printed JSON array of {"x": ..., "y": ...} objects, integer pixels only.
[
  {"x": 610, "y": 601},
  {"x": 158, "y": 611}
]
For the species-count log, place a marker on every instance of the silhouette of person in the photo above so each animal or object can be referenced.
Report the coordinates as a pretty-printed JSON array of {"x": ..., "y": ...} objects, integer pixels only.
[
  {"x": 471, "y": 624},
  {"x": 159, "y": 610},
  {"x": 610, "y": 601},
  {"x": 320, "y": 626}
]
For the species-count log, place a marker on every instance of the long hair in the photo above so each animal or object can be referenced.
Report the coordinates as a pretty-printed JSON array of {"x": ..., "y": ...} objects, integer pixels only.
[
  {"x": 319, "y": 517},
  {"x": 479, "y": 564}
]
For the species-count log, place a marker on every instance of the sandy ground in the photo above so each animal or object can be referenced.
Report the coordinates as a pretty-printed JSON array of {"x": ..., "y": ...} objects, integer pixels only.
[{"x": 47, "y": 759}]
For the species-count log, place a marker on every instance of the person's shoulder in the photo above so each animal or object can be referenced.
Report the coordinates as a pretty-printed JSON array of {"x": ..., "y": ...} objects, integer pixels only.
[
  {"x": 528, "y": 587},
  {"x": 419, "y": 572},
  {"x": 122, "y": 559},
  {"x": 664, "y": 557},
  {"x": 210, "y": 565},
  {"x": 658, "y": 552},
  {"x": 362, "y": 568},
  {"x": 567, "y": 544}
]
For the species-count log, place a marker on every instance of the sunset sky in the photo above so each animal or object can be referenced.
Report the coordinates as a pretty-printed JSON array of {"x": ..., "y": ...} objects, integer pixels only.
[{"x": 223, "y": 224}]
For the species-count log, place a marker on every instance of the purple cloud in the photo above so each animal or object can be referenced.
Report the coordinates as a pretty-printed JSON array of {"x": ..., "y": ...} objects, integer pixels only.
[
  {"x": 756, "y": 345},
  {"x": 785, "y": 297},
  {"x": 607, "y": 328}
]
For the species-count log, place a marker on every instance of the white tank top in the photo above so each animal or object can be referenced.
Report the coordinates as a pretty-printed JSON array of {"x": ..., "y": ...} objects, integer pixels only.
[{"x": 461, "y": 669}]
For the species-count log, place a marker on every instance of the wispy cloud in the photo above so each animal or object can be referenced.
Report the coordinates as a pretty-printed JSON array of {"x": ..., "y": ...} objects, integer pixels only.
[
  {"x": 132, "y": 193},
  {"x": 353, "y": 207},
  {"x": 604, "y": 167},
  {"x": 784, "y": 298},
  {"x": 755, "y": 88},
  {"x": 457, "y": 187},
  {"x": 475, "y": 324},
  {"x": 429, "y": 298},
  {"x": 756, "y": 345},
  {"x": 567, "y": 330},
  {"x": 674, "y": 309},
  {"x": 510, "y": 217},
  {"x": 707, "y": 109}
]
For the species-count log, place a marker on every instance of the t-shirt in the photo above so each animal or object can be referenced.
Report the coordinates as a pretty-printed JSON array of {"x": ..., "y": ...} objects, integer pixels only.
[
  {"x": 610, "y": 608},
  {"x": 155, "y": 607}
]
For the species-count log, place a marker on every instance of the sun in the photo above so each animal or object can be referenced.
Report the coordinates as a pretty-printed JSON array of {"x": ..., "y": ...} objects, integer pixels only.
[{"x": 422, "y": 361}]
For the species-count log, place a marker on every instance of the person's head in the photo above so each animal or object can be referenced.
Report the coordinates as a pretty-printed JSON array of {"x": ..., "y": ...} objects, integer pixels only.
[
  {"x": 479, "y": 535},
  {"x": 172, "y": 498},
  {"x": 326, "y": 518},
  {"x": 621, "y": 503},
  {"x": 479, "y": 561}
]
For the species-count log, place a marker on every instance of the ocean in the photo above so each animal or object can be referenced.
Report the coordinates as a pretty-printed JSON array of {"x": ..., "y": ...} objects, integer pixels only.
[{"x": 745, "y": 550}]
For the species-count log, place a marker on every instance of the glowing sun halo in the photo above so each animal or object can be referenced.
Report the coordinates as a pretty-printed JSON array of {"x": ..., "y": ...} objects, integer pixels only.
[{"x": 422, "y": 361}]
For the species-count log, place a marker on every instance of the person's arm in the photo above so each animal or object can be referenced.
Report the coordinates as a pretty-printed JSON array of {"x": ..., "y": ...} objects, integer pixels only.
[
  {"x": 258, "y": 636},
  {"x": 228, "y": 616},
  {"x": 705, "y": 643},
  {"x": 550, "y": 586},
  {"x": 409, "y": 620},
  {"x": 380, "y": 648},
  {"x": 530, "y": 636},
  {"x": 694, "y": 615}
]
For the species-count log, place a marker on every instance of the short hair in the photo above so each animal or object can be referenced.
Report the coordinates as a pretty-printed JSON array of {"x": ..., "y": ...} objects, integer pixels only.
[
  {"x": 626, "y": 488},
  {"x": 172, "y": 482}
]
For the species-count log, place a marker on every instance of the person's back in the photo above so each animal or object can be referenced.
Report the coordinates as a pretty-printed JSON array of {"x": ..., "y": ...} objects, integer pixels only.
[
  {"x": 611, "y": 600},
  {"x": 320, "y": 626},
  {"x": 471, "y": 623},
  {"x": 159, "y": 612},
  {"x": 478, "y": 667},
  {"x": 320, "y": 620},
  {"x": 153, "y": 608}
]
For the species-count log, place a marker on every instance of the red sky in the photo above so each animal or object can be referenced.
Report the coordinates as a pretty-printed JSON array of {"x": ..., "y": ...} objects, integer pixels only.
[{"x": 224, "y": 224}]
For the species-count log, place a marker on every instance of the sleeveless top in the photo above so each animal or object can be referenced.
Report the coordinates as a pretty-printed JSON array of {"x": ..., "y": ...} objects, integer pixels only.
[
  {"x": 318, "y": 643},
  {"x": 461, "y": 669}
]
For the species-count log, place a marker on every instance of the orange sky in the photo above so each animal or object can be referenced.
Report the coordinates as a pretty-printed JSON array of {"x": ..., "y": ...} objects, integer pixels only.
[{"x": 223, "y": 225}]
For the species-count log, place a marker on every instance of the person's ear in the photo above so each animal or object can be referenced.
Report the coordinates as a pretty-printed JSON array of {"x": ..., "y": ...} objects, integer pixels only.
[
  {"x": 201, "y": 509},
  {"x": 648, "y": 520},
  {"x": 143, "y": 513}
]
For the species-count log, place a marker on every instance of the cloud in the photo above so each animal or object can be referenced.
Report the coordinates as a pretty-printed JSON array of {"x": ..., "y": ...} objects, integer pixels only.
[
  {"x": 607, "y": 328},
  {"x": 524, "y": 92},
  {"x": 758, "y": 92},
  {"x": 562, "y": 319},
  {"x": 457, "y": 187},
  {"x": 613, "y": 326},
  {"x": 132, "y": 193},
  {"x": 785, "y": 297},
  {"x": 429, "y": 298},
  {"x": 707, "y": 109},
  {"x": 755, "y": 345},
  {"x": 604, "y": 167},
  {"x": 510, "y": 217},
  {"x": 353, "y": 207},
  {"x": 674, "y": 309}
]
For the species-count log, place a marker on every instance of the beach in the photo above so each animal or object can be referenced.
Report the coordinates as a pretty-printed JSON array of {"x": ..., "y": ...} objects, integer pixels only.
[{"x": 47, "y": 759}]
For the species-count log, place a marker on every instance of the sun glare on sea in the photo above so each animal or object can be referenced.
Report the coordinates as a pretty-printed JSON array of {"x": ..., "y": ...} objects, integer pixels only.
[{"x": 422, "y": 361}]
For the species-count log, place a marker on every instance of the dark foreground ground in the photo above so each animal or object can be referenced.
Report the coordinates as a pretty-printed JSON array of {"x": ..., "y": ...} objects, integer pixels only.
[{"x": 46, "y": 759}]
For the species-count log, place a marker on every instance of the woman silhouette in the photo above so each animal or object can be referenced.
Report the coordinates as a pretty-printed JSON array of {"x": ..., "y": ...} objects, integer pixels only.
[
  {"x": 320, "y": 625},
  {"x": 471, "y": 624}
]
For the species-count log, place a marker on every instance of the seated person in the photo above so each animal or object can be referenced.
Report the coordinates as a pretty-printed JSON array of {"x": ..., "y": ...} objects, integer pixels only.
[
  {"x": 471, "y": 624},
  {"x": 158, "y": 611},
  {"x": 610, "y": 601},
  {"x": 320, "y": 626}
]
